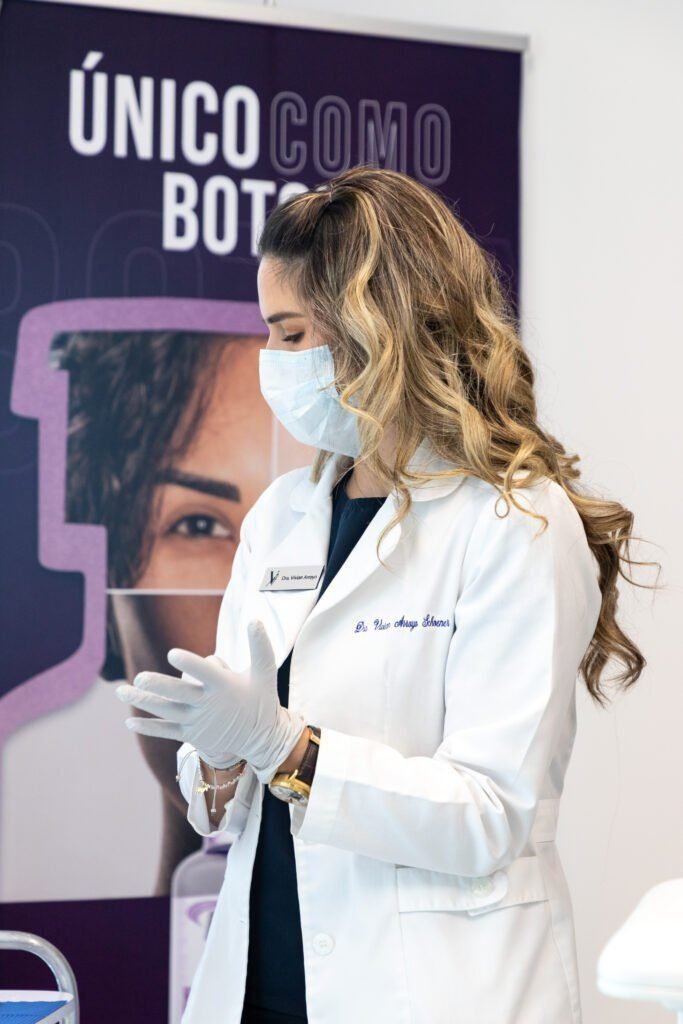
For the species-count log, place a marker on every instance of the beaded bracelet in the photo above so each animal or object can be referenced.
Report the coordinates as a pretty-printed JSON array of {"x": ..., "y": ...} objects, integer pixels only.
[{"x": 203, "y": 786}]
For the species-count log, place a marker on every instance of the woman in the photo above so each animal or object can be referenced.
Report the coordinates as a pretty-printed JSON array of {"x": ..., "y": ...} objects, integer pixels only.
[{"x": 403, "y": 626}]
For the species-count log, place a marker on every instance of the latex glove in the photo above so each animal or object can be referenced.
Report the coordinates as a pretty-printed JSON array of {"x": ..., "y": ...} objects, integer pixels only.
[
  {"x": 156, "y": 693},
  {"x": 225, "y": 715}
]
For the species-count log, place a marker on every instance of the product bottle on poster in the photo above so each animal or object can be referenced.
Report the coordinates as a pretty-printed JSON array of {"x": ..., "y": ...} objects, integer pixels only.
[{"x": 195, "y": 885}]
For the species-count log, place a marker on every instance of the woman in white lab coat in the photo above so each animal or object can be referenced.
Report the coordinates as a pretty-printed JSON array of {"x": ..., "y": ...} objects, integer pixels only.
[{"x": 420, "y": 753}]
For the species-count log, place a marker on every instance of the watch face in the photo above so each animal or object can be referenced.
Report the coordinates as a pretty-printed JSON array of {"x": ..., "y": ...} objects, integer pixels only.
[{"x": 291, "y": 796}]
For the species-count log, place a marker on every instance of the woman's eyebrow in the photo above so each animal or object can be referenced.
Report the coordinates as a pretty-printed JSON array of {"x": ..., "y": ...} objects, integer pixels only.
[
  {"x": 276, "y": 317},
  {"x": 219, "y": 488}
]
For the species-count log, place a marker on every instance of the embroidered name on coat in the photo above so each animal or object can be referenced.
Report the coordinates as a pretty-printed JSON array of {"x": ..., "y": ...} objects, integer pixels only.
[{"x": 427, "y": 622}]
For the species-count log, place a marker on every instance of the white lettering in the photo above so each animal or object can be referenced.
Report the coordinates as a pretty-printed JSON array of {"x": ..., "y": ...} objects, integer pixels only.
[
  {"x": 95, "y": 142},
  {"x": 179, "y": 203}
]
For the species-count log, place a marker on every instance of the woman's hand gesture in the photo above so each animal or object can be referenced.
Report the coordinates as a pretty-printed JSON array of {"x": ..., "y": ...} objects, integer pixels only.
[{"x": 225, "y": 715}]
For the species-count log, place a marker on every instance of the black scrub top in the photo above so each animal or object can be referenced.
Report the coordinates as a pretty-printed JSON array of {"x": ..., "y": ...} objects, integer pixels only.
[{"x": 275, "y": 972}]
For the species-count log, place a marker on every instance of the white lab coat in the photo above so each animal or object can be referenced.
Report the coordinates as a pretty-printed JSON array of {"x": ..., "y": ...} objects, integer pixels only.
[{"x": 429, "y": 882}]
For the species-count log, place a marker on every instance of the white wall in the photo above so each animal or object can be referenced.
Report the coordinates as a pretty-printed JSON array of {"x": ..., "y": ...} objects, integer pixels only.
[{"x": 602, "y": 230}]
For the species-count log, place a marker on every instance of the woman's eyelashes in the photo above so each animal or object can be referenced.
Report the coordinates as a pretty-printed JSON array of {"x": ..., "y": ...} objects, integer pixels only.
[
  {"x": 293, "y": 337},
  {"x": 200, "y": 525}
]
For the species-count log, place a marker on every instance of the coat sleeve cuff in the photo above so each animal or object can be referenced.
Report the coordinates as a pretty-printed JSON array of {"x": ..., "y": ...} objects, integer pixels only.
[
  {"x": 236, "y": 810},
  {"x": 315, "y": 822}
]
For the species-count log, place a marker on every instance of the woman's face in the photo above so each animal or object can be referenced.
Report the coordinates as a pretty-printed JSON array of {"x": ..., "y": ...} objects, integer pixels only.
[
  {"x": 198, "y": 515},
  {"x": 195, "y": 528},
  {"x": 290, "y": 327}
]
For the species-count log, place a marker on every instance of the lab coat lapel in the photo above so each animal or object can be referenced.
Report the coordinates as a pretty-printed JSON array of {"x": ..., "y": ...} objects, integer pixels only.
[{"x": 284, "y": 612}]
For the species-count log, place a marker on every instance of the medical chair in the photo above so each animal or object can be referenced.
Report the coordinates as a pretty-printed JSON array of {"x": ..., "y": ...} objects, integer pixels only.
[
  {"x": 40, "y": 1007},
  {"x": 644, "y": 958}
]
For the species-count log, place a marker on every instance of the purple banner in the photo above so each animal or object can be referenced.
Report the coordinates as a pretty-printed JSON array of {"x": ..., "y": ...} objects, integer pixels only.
[{"x": 140, "y": 153}]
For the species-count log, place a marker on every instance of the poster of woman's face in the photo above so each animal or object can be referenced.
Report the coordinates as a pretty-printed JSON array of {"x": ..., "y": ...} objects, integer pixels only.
[{"x": 170, "y": 443}]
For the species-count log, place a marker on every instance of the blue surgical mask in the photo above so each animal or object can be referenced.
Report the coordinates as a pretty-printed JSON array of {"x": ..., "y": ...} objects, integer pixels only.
[{"x": 299, "y": 388}]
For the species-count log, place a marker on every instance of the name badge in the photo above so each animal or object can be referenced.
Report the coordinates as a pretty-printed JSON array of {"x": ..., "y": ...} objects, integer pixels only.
[{"x": 292, "y": 577}]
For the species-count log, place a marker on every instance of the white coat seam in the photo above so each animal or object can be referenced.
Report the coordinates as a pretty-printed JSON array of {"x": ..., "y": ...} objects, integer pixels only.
[{"x": 550, "y": 903}]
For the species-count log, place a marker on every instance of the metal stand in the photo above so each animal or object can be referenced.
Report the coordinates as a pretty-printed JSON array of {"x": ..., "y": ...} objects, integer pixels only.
[{"x": 60, "y": 967}]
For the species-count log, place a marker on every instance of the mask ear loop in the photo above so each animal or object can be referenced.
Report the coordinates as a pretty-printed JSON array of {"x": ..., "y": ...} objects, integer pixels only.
[{"x": 323, "y": 361}]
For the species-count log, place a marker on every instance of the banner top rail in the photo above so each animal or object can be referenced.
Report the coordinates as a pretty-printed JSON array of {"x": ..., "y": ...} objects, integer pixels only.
[{"x": 311, "y": 18}]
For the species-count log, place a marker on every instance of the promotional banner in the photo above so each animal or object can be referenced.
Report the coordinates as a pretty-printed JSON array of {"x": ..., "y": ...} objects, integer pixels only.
[{"x": 140, "y": 153}]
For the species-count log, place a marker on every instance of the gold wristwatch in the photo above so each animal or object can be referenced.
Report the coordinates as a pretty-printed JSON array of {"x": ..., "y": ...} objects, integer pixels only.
[{"x": 295, "y": 787}]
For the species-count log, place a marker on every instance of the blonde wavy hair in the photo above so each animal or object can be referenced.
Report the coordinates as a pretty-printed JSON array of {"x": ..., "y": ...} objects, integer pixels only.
[{"x": 423, "y": 337}]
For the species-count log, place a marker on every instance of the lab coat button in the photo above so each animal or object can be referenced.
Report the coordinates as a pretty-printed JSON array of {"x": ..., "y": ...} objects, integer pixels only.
[
  {"x": 323, "y": 943},
  {"x": 481, "y": 886}
]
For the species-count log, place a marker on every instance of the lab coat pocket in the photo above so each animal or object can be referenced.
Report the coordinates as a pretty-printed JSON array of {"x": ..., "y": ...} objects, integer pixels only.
[
  {"x": 485, "y": 948},
  {"x": 521, "y": 881}
]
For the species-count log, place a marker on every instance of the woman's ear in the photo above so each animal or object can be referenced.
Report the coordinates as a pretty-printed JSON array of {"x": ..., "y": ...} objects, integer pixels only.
[{"x": 114, "y": 667}]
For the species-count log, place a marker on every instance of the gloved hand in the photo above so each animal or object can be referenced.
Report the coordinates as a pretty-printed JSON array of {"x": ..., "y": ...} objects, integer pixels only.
[{"x": 225, "y": 715}]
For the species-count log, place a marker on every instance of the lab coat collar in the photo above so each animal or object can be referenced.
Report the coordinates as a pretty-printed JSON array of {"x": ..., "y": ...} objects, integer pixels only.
[
  {"x": 424, "y": 460},
  {"x": 286, "y": 613}
]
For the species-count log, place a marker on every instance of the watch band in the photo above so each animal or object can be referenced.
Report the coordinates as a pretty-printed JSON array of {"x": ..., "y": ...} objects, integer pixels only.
[
  {"x": 310, "y": 758},
  {"x": 299, "y": 780}
]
